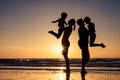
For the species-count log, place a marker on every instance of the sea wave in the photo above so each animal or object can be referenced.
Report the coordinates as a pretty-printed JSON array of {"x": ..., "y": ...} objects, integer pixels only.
[
  {"x": 73, "y": 69},
  {"x": 98, "y": 62}
]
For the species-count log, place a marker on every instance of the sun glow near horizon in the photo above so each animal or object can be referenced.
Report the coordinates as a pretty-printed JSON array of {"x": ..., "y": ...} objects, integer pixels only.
[
  {"x": 58, "y": 49},
  {"x": 24, "y": 27}
]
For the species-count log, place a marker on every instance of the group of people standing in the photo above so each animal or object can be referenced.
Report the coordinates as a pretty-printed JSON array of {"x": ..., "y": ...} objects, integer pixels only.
[{"x": 85, "y": 36}]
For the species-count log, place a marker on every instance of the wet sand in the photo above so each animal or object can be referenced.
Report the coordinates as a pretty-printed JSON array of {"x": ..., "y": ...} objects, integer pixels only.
[{"x": 55, "y": 75}]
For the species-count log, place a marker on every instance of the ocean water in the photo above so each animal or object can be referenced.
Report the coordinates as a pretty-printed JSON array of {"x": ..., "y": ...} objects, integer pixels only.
[
  {"x": 76, "y": 62},
  {"x": 53, "y": 69},
  {"x": 98, "y": 64}
]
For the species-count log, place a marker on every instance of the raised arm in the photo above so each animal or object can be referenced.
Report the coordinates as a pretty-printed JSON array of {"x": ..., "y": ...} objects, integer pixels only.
[{"x": 55, "y": 21}]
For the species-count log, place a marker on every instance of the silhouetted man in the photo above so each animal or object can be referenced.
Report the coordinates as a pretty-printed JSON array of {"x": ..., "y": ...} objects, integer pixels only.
[{"x": 83, "y": 43}]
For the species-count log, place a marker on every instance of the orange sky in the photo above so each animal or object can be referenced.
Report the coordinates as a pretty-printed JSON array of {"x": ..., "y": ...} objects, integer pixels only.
[{"x": 24, "y": 27}]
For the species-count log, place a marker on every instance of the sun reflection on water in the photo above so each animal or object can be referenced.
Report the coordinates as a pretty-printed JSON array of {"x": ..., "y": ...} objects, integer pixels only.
[{"x": 62, "y": 76}]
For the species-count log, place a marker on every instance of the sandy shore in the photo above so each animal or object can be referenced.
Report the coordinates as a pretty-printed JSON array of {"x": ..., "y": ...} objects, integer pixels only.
[{"x": 55, "y": 75}]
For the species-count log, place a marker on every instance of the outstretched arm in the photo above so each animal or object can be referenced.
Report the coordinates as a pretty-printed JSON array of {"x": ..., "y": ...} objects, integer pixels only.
[{"x": 55, "y": 21}]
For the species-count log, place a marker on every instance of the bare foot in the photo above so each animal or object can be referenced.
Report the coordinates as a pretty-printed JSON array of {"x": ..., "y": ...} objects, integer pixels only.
[{"x": 102, "y": 45}]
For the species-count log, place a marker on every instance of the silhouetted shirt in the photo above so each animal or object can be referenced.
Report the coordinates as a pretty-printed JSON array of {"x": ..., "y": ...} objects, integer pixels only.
[
  {"x": 61, "y": 22},
  {"x": 83, "y": 37},
  {"x": 83, "y": 33},
  {"x": 91, "y": 28}
]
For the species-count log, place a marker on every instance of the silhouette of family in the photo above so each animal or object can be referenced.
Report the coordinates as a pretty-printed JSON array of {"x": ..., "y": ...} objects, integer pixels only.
[{"x": 86, "y": 35}]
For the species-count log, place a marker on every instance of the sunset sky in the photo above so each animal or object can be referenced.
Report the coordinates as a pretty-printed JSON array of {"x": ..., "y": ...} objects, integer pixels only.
[{"x": 24, "y": 26}]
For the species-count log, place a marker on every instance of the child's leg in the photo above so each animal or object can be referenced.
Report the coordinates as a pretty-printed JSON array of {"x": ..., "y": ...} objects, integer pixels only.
[
  {"x": 53, "y": 33},
  {"x": 60, "y": 30},
  {"x": 65, "y": 52},
  {"x": 92, "y": 42}
]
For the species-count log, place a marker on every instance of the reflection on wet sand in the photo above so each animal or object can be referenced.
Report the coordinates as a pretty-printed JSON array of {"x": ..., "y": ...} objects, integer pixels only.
[
  {"x": 83, "y": 76},
  {"x": 67, "y": 75}
]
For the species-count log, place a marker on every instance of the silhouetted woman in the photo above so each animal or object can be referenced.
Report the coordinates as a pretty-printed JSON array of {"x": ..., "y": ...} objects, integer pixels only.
[
  {"x": 83, "y": 43},
  {"x": 66, "y": 43}
]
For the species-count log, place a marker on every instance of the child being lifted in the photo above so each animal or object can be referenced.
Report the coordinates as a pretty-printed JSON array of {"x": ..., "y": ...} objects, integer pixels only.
[
  {"x": 91, "y": 28},
  {"x": 61, "y": 24}
]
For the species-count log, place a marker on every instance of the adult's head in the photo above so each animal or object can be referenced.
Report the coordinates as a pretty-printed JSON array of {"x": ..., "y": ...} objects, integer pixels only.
[
  {"x": 80, "y": 22},
  {"x": 87, "y": 19},
  {"x": 71, "y": 22}
]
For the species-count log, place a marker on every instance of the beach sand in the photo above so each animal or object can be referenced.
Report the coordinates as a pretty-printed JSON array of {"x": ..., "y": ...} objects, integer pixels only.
[{"x": 55, "y": 75}]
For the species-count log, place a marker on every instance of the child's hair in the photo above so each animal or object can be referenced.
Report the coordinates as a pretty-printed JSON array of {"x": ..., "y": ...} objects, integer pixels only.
[
  {"x": 87, "y": 19},
  {"x": 72, "y": 22},
  {"x": 63, "y": 14}
]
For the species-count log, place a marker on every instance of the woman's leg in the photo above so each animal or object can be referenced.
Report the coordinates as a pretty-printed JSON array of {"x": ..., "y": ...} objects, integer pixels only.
[{"x": 65, "y": 52}]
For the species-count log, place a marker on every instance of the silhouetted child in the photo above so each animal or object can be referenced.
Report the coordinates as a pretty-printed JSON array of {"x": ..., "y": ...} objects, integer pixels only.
[
  {"x": 61, "y": 22},
  {"x": 91, "y": 28}
]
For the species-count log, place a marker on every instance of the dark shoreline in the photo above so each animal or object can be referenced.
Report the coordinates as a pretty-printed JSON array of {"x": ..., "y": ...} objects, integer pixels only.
[{"x": 56, "y": 62}]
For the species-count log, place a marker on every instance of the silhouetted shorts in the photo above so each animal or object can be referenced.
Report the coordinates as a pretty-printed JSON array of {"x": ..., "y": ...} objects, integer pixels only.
[
  {"x": 85, "y": 51},
  {"x": 92, "y": 38},
  {"x": 83, "y": 45},
  {"x": 60, "y": 31}
]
